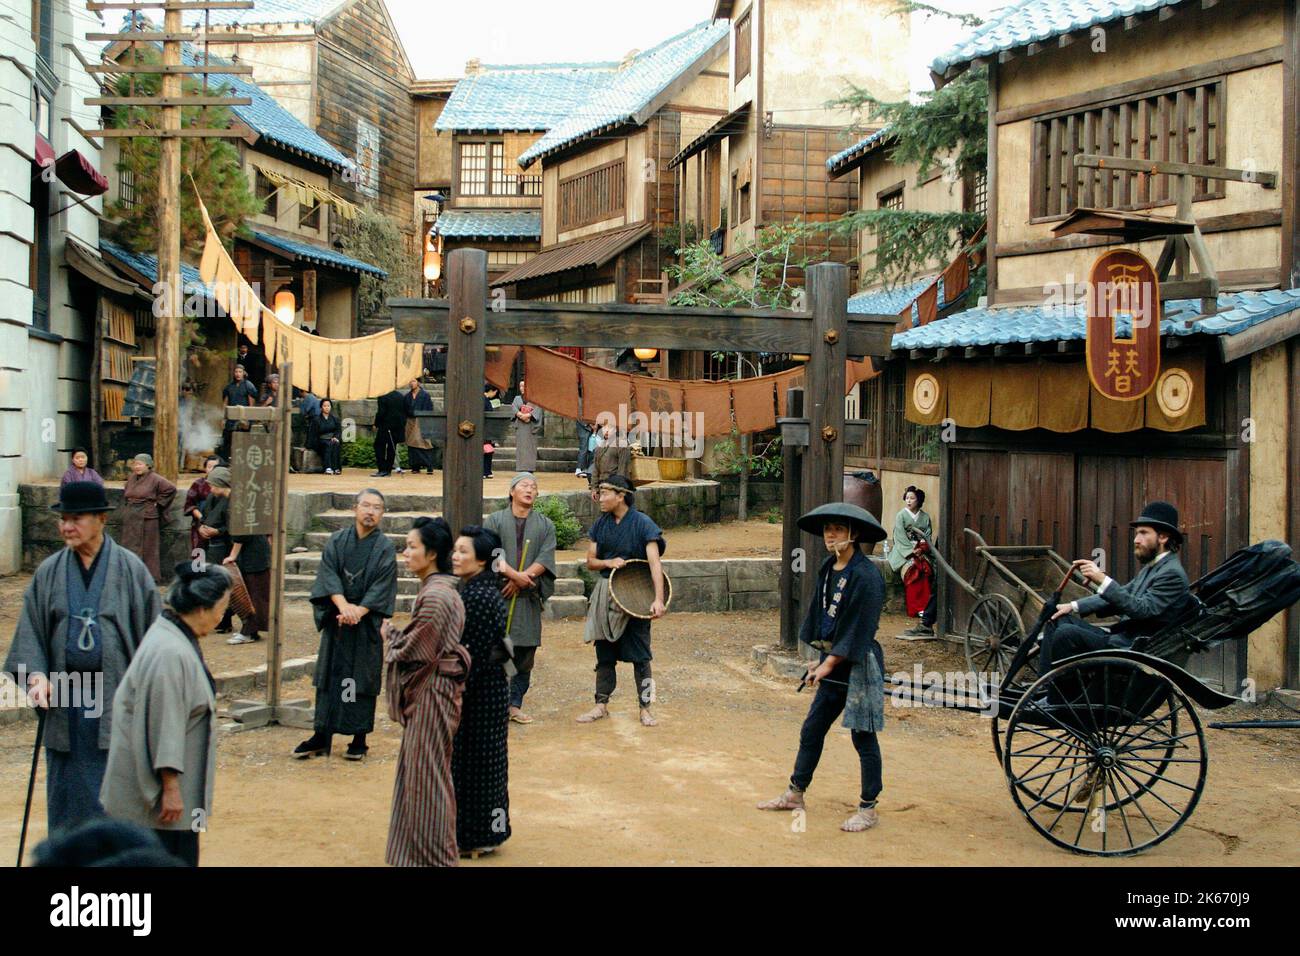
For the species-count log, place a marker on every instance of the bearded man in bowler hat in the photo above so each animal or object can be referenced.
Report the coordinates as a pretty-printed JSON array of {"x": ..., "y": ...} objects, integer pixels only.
[{"x": 1159, "y": 590}]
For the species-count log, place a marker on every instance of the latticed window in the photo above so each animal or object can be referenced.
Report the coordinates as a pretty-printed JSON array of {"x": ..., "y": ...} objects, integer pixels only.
[
  {"x": 126, "y": 193},
  {"x": 473, "y": 169},
  {"x": 591, "y": 196},
  {"x": 743, "y": 45},
  {"x": 1183, "y": 126},
  {"x": 891, "y": 199},
  {"x": 496, "y": 164}
]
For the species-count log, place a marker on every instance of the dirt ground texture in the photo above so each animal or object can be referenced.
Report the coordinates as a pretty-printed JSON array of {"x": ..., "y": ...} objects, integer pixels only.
[{"x": 684, "y": 792}]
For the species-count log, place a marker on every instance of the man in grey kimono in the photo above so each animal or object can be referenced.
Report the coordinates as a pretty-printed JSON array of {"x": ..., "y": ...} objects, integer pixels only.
[
  {"x": 84, "y": 614},
  {"x": 355, "y": 591},
  {"x": 528, "y": 580}
]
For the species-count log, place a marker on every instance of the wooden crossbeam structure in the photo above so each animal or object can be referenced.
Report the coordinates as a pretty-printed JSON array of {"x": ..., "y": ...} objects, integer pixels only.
[
  {"x": 1182, "y": 245},
  {"x": 826, "y": 333}
]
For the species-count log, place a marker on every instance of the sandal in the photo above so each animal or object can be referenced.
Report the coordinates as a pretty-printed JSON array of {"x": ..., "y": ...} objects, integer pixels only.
[
  {"x": 599, "y": 712},
  {"x": 864, "y": 819},
  {"x": 520, "y": 718},
  {"x": 784, "y": 802}
]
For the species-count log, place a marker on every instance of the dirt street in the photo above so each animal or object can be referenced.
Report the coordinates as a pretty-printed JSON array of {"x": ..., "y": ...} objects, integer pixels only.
[{"x": 683, "y": 792}]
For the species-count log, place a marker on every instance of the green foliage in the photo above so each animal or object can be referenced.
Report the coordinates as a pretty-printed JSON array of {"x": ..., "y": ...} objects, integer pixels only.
[
  {"x": 674, "y": 237},
  {"x": 567, "y": 527},
  {"x": 764, "y": 282},
  {"x": 213, "y": 163},
  {"x": 376, "y": 238},
  {"x": 945, "y": 128},
  {"x": 764, "y": 460},
  {"x": 361, "y": 453},
  {"x": 774, "y": 516}
]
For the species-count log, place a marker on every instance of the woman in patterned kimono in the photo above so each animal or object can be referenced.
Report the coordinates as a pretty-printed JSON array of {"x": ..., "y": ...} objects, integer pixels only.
[
  {"x": 148, "y": 499},
  {"x": 911, "y": 526},
  {"x": 478, "y": 762},
  {"x": 427, "y": 666}
]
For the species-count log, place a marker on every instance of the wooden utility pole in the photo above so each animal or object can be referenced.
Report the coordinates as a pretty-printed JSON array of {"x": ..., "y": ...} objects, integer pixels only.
[{"x": 171, "y": 293}]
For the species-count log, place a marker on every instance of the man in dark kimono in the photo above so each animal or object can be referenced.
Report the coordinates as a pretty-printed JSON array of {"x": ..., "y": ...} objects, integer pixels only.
[
  {"x": 355, "y": 592},
  {"x": 849, "y": 677},
  {"x": 419, "y": 450},
  {"x": 527, "y": 581},
  {"x": 622, "y": 534},
  {"x": 390, "y": 431},
  {"x": 84, "y": 615}
]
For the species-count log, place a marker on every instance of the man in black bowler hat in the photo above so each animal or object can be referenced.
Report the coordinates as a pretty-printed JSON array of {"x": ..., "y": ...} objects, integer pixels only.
[{"x": 1144, "y": 604}]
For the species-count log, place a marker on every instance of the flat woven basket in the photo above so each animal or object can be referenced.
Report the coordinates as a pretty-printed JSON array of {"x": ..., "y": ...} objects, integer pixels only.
[
  {"x": 241, "y": 602},
  {"x": 633, "y": 589}
]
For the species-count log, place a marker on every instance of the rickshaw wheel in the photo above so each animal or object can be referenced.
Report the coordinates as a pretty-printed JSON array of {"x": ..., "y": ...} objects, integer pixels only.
[
  {"x": 1023, "y": 673},
  {"x": 994, "y": 632},
  {"x": 1099, "y": 737}
]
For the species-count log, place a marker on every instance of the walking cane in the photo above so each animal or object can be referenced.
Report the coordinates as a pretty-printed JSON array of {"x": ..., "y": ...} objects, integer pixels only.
[
  {"x": 31, "y": 781},
  {"x": 522, "y": 558}
]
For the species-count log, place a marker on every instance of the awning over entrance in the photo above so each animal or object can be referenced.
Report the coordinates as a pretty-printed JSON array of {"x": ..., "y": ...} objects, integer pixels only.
[
  {"x": 594, "y": 252},
  {"x": 730, "y": 123}
]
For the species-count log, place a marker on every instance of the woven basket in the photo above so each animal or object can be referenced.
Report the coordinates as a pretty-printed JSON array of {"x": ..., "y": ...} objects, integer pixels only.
[
  {"x": 633, "y": 589},
  {"x": 644, "y": 470},
  {"x": 241, "y": 602}
]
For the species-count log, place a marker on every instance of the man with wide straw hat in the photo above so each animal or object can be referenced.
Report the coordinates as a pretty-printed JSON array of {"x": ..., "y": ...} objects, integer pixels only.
[
  {"x": 1159, "y": 590},
  {"x": 849, "y": 676},
  {"x": 84, "y": 615}
]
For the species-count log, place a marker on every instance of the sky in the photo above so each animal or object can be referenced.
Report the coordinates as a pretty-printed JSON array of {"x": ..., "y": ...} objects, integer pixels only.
[{"x": 440, "y": 36}]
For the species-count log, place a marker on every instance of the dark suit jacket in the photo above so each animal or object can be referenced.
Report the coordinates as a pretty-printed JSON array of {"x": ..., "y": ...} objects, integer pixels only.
[
  {"x": 391, "y": 414},
  {"x": 1155, "y": 595}
]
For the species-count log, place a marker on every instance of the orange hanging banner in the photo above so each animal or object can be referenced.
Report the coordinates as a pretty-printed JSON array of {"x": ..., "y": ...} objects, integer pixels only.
[{"x": 1123, "y": 325}]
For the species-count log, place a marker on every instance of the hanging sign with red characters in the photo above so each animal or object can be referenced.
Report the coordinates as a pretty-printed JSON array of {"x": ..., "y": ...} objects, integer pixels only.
[{"x": 1123, "y": 325}]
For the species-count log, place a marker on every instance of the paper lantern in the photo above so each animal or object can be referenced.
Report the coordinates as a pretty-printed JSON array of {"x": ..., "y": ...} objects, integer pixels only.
[
  {"x": 285, "y": 306},
  {"x": 432, "y": 265},
  {"x": 645, "y": 355}
]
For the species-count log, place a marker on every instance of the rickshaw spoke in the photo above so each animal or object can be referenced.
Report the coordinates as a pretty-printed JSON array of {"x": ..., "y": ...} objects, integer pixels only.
[
  {"x": 1147, "y": 724},
  {"x": 1136, "y": 800},
  {"x": 1158, "y": 690},
  {"x": 1110, "y": 782},
  {"x": 1055, "y": 770},
  {"x": 1158, "y": 743},
  {"x": 1073, "y": 733},
  {"x": 1049, "y": 796},
  {"x": 1083, "y": 686},
  {"x": 1150, "y": 790},
  {"x": 1083, "y": 822},
  {"x": 1161, "y": 778}
]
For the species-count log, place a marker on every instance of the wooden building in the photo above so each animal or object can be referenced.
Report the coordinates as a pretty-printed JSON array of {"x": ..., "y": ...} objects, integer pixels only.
[
  {"x": 340, "y": 68},
  {"x": 432, "y": 150},
  {"x": 609, "y": 198},
  {"x": 1039, "y": 454},
  {"x": 493, "y": 116},
  {"x": 900, "y": 452},
  {"x": 764, "y": 160}
]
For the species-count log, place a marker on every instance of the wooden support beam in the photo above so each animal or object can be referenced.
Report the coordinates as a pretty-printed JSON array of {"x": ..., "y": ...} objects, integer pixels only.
[
  {"x": 1035, "y": 48},
  {"x": 618, "y": 325},
  {"x": 463, "y": 457},
  {"x": 972, "y": 352},
  {"x": 1155, "y": 167},
  {"x": 1033, "y": 348},
  {"x": 916, "y": 354},
  {"x": 169, "y": 101},
  {"x": 1064, "y": 40},
  {"x": 1165, "y": 13},
  {"x": 943, "y": 353},
  {"x": 1002, "y": 351},
  {"x": 792, "y": 499}
]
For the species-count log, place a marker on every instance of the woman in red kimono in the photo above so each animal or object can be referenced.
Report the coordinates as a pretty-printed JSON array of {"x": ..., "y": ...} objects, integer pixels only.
[{"x": 427, "y": 666}]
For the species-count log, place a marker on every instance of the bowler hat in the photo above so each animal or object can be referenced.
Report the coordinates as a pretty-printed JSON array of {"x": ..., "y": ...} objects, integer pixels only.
[
  {"x": 81, "y": 498},
  {"x": 1160, "y": 515},
  {"x": 841, "y": 512}
]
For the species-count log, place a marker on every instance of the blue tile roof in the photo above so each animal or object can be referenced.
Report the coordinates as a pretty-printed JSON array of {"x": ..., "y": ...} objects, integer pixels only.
[
  {"x": 490, "y": 223},
  {"x": 891, "y": 301},
  {"x": 147, "y": 265},
  {"x": 525, "y": 97},
  {"x": 320, "y": 255},
  {"x": 625, "y": 92},
  {"x": 864, "y": 145},
  {"x": 1238, "y": 311},
  {"x": 1032, "y": 21},
  {"x": 271, "y": 121}
]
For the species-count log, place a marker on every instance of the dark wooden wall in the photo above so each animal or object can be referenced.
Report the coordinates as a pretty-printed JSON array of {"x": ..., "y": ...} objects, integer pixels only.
[
  {"x": 795, "y": 186},
  {"x": 361, "y": 74}
]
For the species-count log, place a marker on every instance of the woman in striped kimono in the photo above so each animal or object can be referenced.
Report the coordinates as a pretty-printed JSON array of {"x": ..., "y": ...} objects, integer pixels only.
[{"x": 427, "y": 666}]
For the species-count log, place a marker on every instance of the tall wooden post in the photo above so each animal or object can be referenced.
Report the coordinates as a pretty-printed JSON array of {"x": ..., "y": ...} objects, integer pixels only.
[
  {"x": 462, "y": 476},
  {"x": 823, "y": 459},
  {"x": 792, "y": 470},
  {"x": 284, "y": 441},
  {"x": 167, "y": 380}
]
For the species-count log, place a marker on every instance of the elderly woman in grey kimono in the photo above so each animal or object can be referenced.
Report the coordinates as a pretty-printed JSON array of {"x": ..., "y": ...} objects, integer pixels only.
[
  {"x": 849, "y": 677},
  {"x": 526, "y": 426},
  {"x": 163, "y": 755},
  {"x": 83, "y": 617},
  {"x": 148, "y": 497},
  {"x": 528, "y": 580}
]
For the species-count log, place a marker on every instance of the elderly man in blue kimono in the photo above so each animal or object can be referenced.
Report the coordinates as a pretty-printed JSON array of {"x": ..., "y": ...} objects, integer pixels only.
[
  {"x": 622, "y": 534},
  {"x": 849, "y": 677},
  {"x": 84, "y": 615},
  {"x": 354, "y": 593}
]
